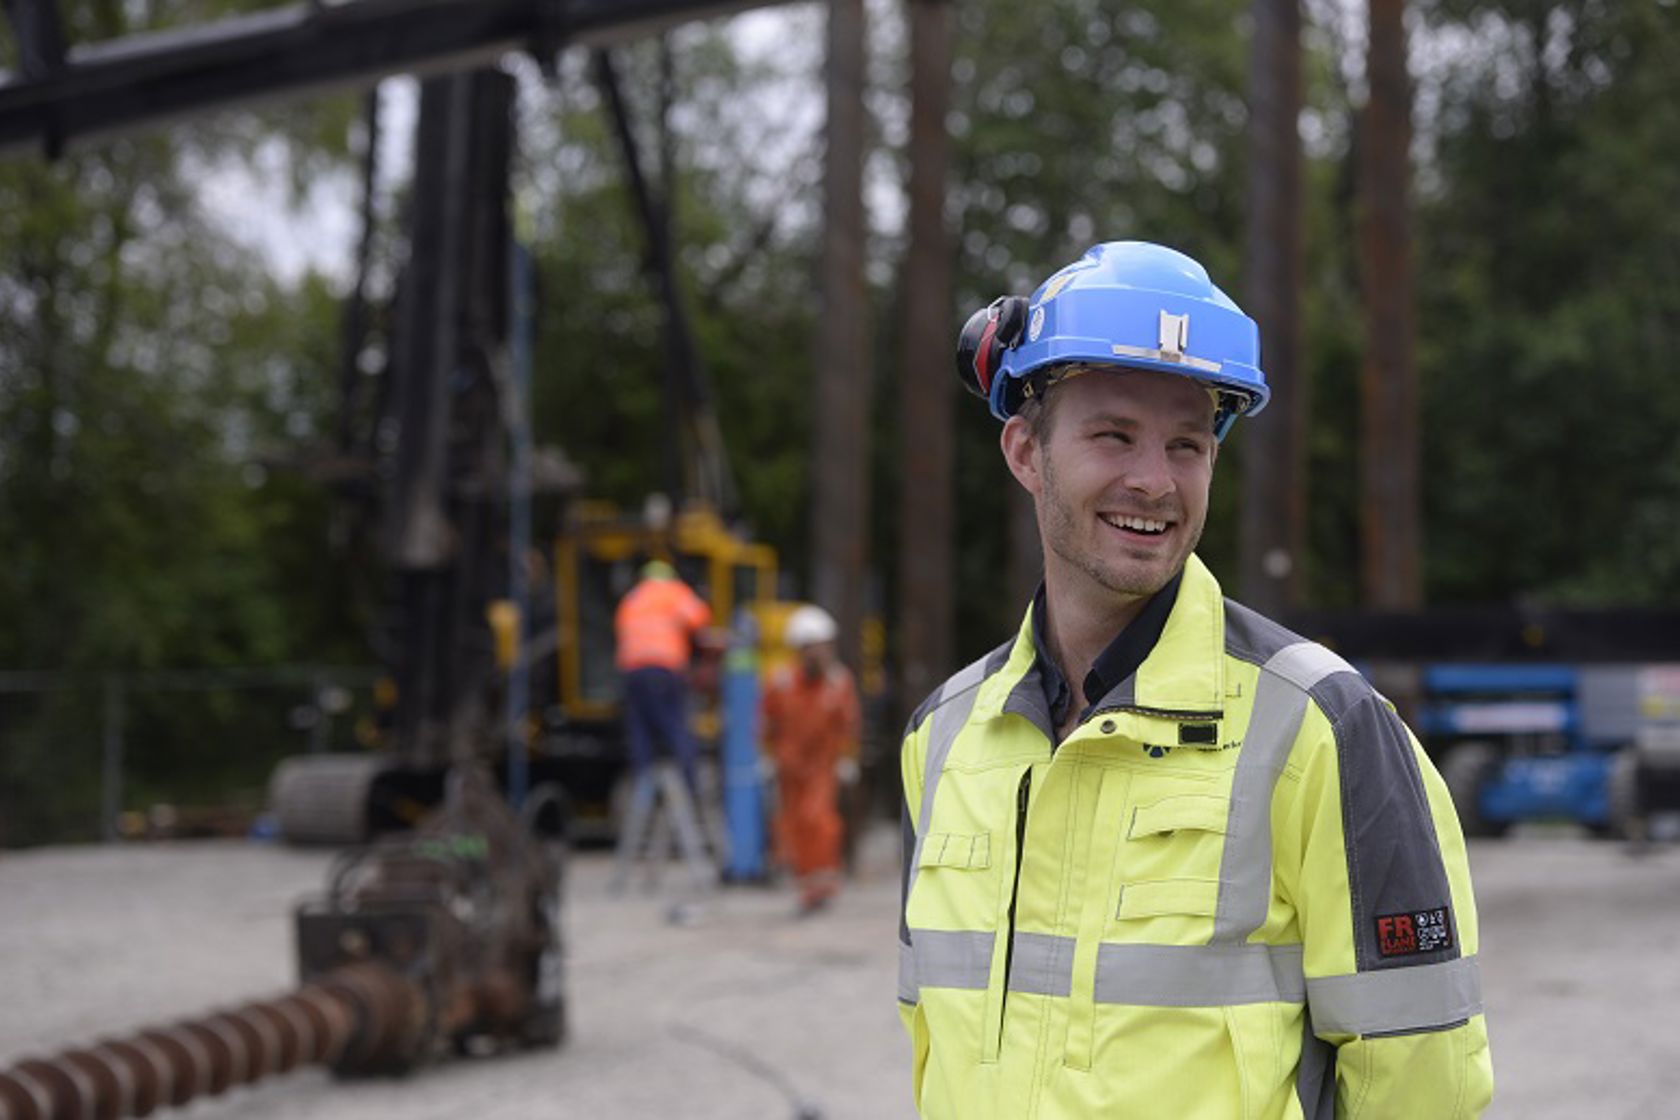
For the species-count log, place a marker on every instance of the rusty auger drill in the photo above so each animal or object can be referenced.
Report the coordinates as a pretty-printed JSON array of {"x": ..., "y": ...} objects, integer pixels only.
[{"x": 444, "y": 939}]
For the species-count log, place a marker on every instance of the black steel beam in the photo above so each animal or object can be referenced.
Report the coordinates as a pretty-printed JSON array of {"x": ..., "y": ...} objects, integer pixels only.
[
  {"x": 102, "y": 88},
  {"x": 1500, "y": 633}
]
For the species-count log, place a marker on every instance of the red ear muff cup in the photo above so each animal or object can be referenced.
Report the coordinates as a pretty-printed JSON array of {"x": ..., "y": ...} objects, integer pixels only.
[
  {"x": 985, "y": 358},
  {"x": 975, "y": 337},
  {"x": 983, "y": 340}
]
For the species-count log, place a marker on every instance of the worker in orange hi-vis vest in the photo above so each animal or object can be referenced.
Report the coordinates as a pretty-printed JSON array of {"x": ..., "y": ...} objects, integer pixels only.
[
  {"x": 656, "y": 625},
  {"x": 810, "y": 717}
]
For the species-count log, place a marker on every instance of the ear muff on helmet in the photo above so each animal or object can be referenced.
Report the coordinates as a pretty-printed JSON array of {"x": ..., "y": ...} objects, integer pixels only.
[{"x": 981, "y": 343}]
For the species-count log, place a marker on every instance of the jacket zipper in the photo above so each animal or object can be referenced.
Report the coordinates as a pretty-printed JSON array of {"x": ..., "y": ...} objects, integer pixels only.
[
  {"x": 1022, "y": 794},
  {"x": 1162, "y": 713}
]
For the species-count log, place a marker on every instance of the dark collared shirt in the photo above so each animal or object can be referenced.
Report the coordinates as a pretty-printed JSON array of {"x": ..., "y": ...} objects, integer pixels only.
[{"x": 1113, "y": 665}]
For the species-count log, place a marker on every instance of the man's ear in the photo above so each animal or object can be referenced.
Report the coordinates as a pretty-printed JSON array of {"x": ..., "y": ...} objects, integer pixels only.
[{"x": 1021, "y": 452}]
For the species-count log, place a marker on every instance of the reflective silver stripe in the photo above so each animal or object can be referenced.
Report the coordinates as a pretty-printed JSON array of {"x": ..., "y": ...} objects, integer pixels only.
[
  {"x": 952, "y": 958},
  {"x": 1041, "y": 964},
  {"x": 1198, "y": 975},
  {"x": 1204, "y": 364},
  {"x": 956, "y": 701},
  {"x": 1245, "y": 868},
  {"x": 1141, "y": 975},
  {"x": 908, "y": 992},
  {"x": 1397, "y": 1000},
  {"x": 1304, "y": 664}
]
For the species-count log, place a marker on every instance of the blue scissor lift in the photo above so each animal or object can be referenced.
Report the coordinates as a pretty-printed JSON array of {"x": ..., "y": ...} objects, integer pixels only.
[{"x": 1518, "y": 742}]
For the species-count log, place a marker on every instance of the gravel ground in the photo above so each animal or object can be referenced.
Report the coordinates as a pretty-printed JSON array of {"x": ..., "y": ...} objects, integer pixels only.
[
  {"x": 1581, "y": 975},
  {"x": 748, "y": 1011}
]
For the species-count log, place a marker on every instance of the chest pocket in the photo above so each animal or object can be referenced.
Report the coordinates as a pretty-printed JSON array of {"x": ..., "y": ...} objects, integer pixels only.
[
  {"x": 1166, "y": 873},
  {"x": 957, "y": 850},
  {"x": 956, "y": 882},
  {"x": 1195, "y": 812}
]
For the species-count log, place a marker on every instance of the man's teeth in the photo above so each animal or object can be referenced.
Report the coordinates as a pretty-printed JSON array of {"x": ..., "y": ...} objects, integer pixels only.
[{"x": 1139, "y": 524}]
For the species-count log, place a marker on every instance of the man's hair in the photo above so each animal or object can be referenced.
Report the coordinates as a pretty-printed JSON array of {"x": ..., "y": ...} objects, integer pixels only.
[
  {"x": 1036, "y": 411},
  {"x": 1038, "y": 408}
]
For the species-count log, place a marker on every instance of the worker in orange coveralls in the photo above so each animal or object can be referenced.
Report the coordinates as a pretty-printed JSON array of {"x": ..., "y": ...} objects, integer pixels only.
[{"x": 810, "y": 719}]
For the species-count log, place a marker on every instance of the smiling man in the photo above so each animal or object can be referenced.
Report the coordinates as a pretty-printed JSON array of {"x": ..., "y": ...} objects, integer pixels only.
[{"x": 1164, "y": 858}]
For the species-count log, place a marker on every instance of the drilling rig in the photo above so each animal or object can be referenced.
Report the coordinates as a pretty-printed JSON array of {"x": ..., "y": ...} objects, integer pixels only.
[{"x": 445, "y": 937}]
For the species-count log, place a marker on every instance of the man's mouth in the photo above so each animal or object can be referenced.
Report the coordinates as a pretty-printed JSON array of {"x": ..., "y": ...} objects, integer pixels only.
[{"x": 1138, "y": 526}]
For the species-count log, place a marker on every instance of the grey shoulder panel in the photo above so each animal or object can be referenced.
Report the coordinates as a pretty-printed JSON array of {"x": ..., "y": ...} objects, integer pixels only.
[
  {"x": 1402, "y": 902},
  {"x": 1251, "y": 636},
  {"x": 1401, "y": 899},
  {"x": 967, "y": 678}
]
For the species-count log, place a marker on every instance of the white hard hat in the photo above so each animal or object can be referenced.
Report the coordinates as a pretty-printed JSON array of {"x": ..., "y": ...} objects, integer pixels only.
[{"x": 808, "y": 626}]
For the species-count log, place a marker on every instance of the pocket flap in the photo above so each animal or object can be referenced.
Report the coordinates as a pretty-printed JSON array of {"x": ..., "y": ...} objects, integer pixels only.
[
  {"x": 1168, "y": 896},
  {"x": 1190, "y": 810},
  {"x": 956, "y": 849}
]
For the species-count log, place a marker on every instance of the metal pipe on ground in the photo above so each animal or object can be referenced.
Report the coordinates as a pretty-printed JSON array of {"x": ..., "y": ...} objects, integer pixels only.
[{"x": 359, "y": 1016}]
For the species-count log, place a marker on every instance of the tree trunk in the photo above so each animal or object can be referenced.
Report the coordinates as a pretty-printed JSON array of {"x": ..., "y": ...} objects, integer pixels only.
[
  {"x": 925, "y": 569},
  {"x": 1272, "y": 541},
  {"x": 840, "y": 501},
  {"x": 1389, "y": 489}
]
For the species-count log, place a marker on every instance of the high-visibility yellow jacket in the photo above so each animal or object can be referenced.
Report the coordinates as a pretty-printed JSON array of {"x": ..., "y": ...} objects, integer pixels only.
[{"x": 1237, "y": 889}]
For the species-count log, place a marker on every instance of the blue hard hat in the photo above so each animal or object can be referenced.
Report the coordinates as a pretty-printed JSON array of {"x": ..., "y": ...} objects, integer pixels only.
[{"x": 1124, "y": 303}]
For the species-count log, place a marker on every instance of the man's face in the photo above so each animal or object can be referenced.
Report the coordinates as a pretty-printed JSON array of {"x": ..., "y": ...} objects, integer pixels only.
[
  {"x": 817, "y": 657},
  {"x": 1121, "y": 478}
]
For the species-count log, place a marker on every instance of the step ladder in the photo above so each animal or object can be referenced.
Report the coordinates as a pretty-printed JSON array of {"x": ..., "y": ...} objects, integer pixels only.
[{"x": 662, "y": 808}]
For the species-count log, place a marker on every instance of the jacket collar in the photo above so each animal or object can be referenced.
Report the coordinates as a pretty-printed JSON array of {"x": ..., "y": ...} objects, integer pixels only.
[{"x": 1183, "y": 674}]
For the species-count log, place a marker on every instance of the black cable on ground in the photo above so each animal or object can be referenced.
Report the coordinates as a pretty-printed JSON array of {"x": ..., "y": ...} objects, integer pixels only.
[{"x": 753, "y": 1064}]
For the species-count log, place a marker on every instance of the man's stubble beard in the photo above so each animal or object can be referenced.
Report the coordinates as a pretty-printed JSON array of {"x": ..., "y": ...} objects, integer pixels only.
[{"x": 1060, "y": 527}]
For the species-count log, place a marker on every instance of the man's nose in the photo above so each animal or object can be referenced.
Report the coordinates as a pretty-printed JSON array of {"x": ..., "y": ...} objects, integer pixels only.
[{"x": 1148, "y": 473}]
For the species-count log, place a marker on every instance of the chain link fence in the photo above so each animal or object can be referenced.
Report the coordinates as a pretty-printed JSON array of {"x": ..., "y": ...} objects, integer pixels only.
[{"x": 89, "y": 756}]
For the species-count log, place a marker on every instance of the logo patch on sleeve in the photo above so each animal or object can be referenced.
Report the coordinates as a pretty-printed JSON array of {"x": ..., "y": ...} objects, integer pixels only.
[{"x": 1422, "y": 931}]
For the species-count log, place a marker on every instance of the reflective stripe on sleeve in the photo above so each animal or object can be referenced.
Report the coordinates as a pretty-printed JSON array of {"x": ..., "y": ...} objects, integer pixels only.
[
  {"x": 1397, "y": 1000},
  {"x": 1198, "y": 975},
  {"x": 1245, "y": 867},
  {"x": 952, "y": 958},
  {"x": 908, "y": 991}
]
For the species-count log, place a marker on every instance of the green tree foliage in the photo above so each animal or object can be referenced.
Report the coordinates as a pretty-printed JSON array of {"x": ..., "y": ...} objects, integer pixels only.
[
  {"x": 744, "y": 220},
  {"x": 149, "y": 368},
  {"x": 1550, "y": 317}
]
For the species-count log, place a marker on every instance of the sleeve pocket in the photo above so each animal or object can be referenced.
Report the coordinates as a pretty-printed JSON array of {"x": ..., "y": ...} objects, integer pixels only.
[
  {"x": 1193, "y": 811},
  {"x": 957, "y": 850}
]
